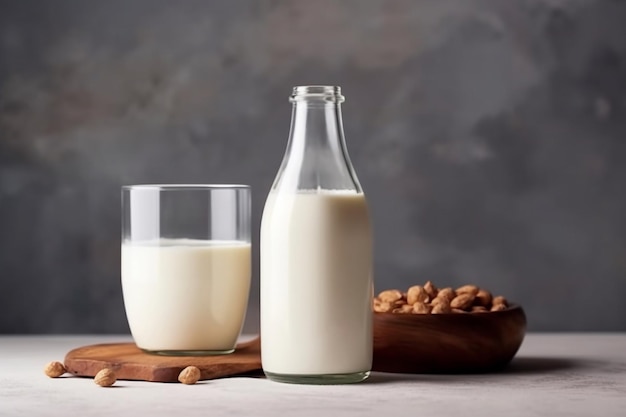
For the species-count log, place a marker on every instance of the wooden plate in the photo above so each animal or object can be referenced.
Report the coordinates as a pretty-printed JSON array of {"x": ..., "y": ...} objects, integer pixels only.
[
  {"x": 447, "y": 343},
  {"x": 129, "y": 362}
]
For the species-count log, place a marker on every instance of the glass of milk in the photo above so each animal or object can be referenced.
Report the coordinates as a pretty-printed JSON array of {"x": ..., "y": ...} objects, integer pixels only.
[{"x": 186, "y": 266}]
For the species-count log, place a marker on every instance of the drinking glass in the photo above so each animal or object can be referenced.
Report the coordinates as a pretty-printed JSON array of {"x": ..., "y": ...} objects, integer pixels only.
[{"x": 186, "y": 266}]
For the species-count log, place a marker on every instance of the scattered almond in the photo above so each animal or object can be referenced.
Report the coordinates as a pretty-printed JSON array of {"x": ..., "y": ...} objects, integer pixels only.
[
  {"x": 189, "y": 376},
  {"x": 105, "y": 378},
  {"x": 54, "y": 369}
]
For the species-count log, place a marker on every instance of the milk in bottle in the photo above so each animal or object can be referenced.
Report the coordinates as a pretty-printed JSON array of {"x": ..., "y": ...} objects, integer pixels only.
[{"x": 316, "y": 254}]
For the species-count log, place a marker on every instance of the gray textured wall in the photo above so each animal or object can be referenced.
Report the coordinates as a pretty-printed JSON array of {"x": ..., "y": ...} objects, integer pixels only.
[{"x": 490, "y": 137}]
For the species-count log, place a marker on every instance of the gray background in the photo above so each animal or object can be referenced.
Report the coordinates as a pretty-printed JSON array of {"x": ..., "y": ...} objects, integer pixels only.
[{"x": 490, "y": 138}]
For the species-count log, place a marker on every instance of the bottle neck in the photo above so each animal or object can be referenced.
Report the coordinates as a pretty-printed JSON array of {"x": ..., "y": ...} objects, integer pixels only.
[
  {"x": 316, "y": 156},
  {"x": 317, "y": 126}
]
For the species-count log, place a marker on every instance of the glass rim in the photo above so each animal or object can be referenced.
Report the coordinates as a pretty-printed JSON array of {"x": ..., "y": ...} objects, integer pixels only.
[
  {"x": 185, "y": 187},
  {"x": 322, "y": 93},
  {"x": 317, "y": 89}
]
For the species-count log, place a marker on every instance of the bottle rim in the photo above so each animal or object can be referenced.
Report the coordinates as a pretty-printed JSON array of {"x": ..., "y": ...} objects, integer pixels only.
[{"x": 327, "y": 93}]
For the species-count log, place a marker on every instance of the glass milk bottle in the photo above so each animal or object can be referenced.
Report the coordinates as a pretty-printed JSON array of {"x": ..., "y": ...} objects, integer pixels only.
[{"x": 316, "y": 253}]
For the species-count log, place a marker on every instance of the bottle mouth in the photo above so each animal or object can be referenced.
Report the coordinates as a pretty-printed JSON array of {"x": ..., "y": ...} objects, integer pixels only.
[{"x": 325, "y": 93}]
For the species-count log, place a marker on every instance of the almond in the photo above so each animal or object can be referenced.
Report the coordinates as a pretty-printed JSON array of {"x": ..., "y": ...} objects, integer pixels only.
[
  {"x": 383, "y": 307},
  {"x": 190, "y": 375},
  {"x": 463, "y": 301},
  {"x": 447, "y": 293},
  {"x": 498, "y": 307},
  {"x": 405, "y": 309},
  {"x": 416, "y": 293},
  {"x": 467, "y": 289},
  {"x": 483, "y": 298},
  {"x": 105, "y": 378},
  {"x": 430, "y": 289},
  {"x": 500, "y": 300},
  {"x": 390, "y": 296},
  {"x": 440, "y": 300},
  {"x": 399, "y": 303},
  {"x": 441, "y": 309},
  {"x": 54, "y": 369},
  {"x": 420, "y": 308}
]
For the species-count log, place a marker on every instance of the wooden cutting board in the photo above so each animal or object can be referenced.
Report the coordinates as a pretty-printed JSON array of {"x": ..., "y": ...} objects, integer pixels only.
[{"x": 131, "y": 363}]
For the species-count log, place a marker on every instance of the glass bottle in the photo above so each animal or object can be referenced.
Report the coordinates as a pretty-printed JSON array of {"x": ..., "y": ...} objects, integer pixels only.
[{"x": 316, "y": 253}]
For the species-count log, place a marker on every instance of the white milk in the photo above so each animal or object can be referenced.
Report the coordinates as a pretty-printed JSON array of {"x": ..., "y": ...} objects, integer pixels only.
[
  {"x": 185, "y": 294},
  {"x": 316, "y": 283}
]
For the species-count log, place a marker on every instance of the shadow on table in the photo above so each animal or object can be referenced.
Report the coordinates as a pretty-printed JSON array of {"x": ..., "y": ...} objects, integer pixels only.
[
  {"x": 520, "y": 365},
  {"x": 531, "y": 365}
]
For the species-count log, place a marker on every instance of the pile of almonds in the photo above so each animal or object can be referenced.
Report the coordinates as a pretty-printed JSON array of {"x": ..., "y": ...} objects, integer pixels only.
[{"x": 428, "y": 299}]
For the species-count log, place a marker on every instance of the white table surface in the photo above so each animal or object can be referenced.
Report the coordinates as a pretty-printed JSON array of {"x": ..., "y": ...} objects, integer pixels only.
[{"x": 552, "y": 375}]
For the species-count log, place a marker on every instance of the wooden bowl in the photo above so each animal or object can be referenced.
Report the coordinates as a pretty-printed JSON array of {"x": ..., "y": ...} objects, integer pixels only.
[{"x": 447, "y": 343}]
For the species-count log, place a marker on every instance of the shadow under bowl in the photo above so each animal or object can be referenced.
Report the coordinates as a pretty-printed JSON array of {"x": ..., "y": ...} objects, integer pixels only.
[{"x": 447, "y": 343}]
